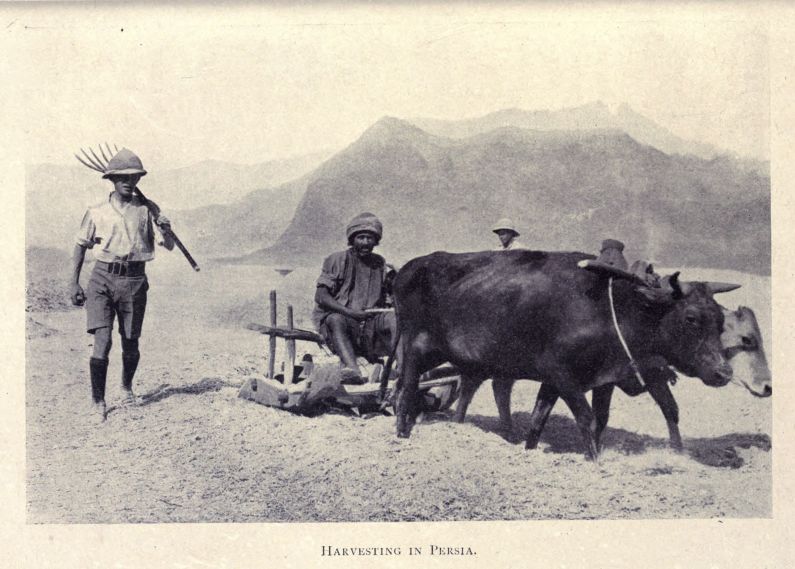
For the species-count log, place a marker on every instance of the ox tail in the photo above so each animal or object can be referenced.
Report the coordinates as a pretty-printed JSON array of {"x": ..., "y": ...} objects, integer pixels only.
[{"x": 387, "y": 371}]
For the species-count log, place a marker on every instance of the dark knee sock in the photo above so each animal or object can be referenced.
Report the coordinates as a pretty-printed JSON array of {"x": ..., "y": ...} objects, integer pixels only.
[
  {"x": 99, "y": 373},
  {"x": 129, "y": 362}
]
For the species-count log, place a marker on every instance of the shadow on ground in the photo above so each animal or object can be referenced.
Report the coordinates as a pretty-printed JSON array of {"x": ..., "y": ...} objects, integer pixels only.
[
  {"x": 164, "y": 390},
  {"x": 563, "y": 436}
]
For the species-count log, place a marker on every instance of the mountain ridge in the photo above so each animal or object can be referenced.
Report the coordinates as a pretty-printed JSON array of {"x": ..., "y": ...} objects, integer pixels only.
[
  {"x": 584, "y": 185},
  {"x": 585, "y": 117},
  {"x": 566, "y": 188}
]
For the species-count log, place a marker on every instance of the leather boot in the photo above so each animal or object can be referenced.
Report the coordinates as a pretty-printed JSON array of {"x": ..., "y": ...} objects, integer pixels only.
[
  {"x": 129, "y": 363},
  {"x": 99, "y": 374}
]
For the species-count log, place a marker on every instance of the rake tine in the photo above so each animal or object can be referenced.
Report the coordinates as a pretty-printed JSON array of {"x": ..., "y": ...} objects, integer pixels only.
[
  {"x": 84, "y": 163},
  {"x": 109, "y": 151},
  {"x": 116, "y": 147},
  {"x": 103, "y": 153},
  {"x": 98, "y": 167},
  {"x": 104, "y": 166}
]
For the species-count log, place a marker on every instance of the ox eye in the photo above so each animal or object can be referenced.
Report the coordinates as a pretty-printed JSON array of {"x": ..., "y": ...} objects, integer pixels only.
[
  {"x": 691, "y": 319},
  {"x": 748, "y": 342}
]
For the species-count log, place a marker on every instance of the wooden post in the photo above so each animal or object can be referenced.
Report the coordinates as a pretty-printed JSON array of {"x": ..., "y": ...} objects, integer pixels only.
[
  {"x": 272, "y": 339},
  {"x": 288, "y": 376}
]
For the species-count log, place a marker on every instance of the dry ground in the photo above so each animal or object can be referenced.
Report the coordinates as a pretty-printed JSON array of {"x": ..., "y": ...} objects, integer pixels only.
[{"x": 196, "y": 452}]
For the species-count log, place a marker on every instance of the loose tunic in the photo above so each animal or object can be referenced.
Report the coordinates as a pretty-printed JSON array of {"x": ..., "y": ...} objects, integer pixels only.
[{"x": 353, "y": 282}]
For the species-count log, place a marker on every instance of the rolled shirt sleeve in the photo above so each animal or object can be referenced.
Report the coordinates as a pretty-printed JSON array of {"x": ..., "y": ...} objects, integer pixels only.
[
  {"x": 332, "y": 273},
  {"x": 88, "y": 229}
]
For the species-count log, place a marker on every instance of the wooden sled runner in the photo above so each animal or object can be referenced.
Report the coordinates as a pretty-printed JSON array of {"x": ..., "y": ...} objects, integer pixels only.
[{"x": 306, "y": 387}]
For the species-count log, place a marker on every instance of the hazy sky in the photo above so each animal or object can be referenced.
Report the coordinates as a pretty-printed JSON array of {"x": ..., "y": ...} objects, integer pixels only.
[{"x": 245, "y": 84}]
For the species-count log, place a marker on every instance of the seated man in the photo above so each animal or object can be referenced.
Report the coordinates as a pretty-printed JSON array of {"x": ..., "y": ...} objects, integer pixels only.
[{"x": 350, "y": 283}]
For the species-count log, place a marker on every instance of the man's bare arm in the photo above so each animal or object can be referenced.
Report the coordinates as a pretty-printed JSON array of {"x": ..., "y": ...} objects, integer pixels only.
[
  {"x": 75, "y": 290},
  {"x": 324, "y": 300}
]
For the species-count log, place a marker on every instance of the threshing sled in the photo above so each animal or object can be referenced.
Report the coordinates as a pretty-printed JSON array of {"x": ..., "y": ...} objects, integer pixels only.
[{"x": 314, "y": 383}]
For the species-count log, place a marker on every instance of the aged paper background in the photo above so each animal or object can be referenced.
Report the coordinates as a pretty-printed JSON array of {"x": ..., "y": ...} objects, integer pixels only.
[{"x": 630, "y": 544}]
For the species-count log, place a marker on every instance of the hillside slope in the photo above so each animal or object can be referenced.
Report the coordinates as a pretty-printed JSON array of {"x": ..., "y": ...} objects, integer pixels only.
[{"x": 566, "y": 190}]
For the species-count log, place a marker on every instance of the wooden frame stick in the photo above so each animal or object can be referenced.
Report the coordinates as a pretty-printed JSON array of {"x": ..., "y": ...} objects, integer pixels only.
[{"x": 272, "y": 339}]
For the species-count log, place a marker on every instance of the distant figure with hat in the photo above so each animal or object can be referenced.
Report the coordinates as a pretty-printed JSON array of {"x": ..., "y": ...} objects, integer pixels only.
[
  {"x": 507, "y": 233},
  {"x": 351, "y": 282},
  {"x": 612, "y": 253},
  {"x": 120, "y": 231}
]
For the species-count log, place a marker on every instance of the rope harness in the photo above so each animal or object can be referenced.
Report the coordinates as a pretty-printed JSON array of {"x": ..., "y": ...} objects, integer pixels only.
[{"x": 632, "y": 363}]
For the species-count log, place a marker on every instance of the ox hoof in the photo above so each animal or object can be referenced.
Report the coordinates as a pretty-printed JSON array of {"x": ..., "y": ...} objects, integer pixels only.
[
  {"x": 402, "y": 435},
  {"x": 511, "y": 437}
]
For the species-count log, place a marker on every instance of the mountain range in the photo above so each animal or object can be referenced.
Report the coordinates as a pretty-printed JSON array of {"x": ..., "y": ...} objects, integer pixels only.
[
  {"x": 592, "y": 116},
  {"x": 568, "y": 178},
  {"x": 566, "y": 190}
]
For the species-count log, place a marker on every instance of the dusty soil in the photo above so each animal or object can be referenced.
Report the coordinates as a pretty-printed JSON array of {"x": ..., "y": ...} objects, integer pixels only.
[{"x": 195, "y": 452}]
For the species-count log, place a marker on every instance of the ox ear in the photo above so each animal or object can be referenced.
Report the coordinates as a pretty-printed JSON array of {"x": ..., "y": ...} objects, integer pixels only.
[
  {"x": 656, "y": 295},
  {"x": 717, "y": 287},
  {"x": 673, "y": 285}
]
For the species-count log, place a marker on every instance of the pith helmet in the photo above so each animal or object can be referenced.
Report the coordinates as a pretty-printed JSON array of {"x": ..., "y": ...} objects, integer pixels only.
[
  {"x": 364, "y": 222},
  {"x": 124, "y": 163},
  {"x": 505, "y": 224}
]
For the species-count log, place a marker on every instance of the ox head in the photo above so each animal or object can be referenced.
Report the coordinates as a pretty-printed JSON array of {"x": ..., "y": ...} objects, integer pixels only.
[
  {"x": 742, "y": 346},
  {"x": 691, "y": 326}
]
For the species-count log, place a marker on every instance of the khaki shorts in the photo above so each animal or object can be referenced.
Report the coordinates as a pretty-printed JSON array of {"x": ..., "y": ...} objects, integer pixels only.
[{"x": 109, "y": 295}]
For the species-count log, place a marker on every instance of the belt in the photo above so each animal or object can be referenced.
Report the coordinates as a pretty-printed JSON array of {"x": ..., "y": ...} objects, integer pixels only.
[{"x": 124, "y": 269}]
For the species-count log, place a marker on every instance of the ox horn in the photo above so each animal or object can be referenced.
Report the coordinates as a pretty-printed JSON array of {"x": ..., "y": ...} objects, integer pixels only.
[{"x": 718, "y": 287}]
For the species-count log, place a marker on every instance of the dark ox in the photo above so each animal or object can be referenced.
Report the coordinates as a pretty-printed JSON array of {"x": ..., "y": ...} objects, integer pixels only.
[
  {"x": 742, "y": 346},
  {"x": 536, "y": 314}
]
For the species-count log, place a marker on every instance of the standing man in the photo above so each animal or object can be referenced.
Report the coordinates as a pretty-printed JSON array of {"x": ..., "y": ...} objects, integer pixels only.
[
  {"x": 507, "y": 233},
  {"x": 350, "y": 282},
  {"x": 121, "y": 232}
]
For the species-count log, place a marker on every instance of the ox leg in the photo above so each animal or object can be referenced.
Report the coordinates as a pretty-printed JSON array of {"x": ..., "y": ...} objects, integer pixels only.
[
  {"x": 662, "y": 395},
  {"x": 601, "y": 409},
  {"x": 407, "y": 404},
  {"x": 502, "y": 397},
  {"x": 469, "y": 386},
  {"x": 545, "y": 401},
  {"x": 586, "y": 421}
]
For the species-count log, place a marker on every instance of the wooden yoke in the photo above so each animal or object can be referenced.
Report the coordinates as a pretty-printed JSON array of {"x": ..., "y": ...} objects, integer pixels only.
[{"x": 610, "y": 271}]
